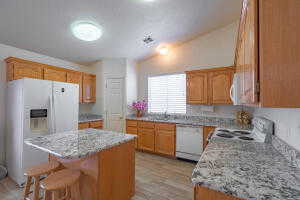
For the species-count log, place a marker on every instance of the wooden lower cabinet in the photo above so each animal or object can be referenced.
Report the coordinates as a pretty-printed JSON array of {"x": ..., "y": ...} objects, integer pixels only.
[
  {"x": 165, "y": 135},
  {"x": 202, "y": 193},
  {"x": 153, "y": 137},
  {"x": 133, "y": 131},
  {"x": 83, "y": 125},
  {"x": 146, "y": 139},
  {"x": 94, "y": 124},
  {"x": 157, "y": 137},
  {"x": 206, "y": 131}
]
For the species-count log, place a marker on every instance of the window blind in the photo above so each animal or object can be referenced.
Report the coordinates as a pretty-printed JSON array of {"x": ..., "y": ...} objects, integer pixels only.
[{"x": 167, "y": 94}]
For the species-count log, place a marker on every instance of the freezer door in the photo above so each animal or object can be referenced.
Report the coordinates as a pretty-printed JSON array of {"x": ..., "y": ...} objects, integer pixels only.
[
  {"x": 65, "y": 106},
  {"x": 37, "y": 95}
]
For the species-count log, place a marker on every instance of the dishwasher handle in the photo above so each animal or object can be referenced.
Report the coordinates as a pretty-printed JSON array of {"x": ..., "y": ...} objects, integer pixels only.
[{"x": 187, "y": 126}]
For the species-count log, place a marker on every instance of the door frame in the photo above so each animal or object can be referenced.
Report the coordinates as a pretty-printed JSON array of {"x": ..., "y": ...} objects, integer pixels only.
[{"x": 106, "y": 97}]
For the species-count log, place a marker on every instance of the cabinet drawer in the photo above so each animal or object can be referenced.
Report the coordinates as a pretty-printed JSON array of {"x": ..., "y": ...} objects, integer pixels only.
[
  {"x": 148, "y": 125},
  {"x": 131, "y": 123},
  {"x": 83, "y": 125},
  {"x": 96, "y": 124},
  {"x": 131, "y": 130},
  {"x": 165, "y": 126}
]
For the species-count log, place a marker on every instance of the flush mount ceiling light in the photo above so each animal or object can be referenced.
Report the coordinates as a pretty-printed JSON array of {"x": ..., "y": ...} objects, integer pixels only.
[
  {"x": 163, "y": 50},
  {"x": 86, "y": 31}
]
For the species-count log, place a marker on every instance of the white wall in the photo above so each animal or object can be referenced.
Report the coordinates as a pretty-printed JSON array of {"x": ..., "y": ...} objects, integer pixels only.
[
  {"x": 215, "y": 49},
  {"x": 131, "y": 83},
  {"x": 7, "y": 51},
  {"x": 287, "y": 123}
]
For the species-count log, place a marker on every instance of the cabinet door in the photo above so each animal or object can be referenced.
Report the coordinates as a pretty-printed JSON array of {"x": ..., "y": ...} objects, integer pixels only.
[
  {"x": 133, "y": 131},
  {"x": 206, "y": 131},
  {"x": 197, "y": 88},
  {"x": 89, "y": 88},
  {"x": 96, "y": 124},
  {"x": 55, "y": 75},
  {"x": 76, "y": 77},
  {"x": 23, "y": 70},
  {"x": 146, "y": 139},
  {"x": 247, "y": 53},
  {"x": 165, "y": 142},
  {"x": 83, "y": 125},
  {"x": 219, "y": 86}
]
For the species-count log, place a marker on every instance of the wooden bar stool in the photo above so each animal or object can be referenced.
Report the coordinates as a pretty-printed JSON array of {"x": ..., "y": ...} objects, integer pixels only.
[
  {"x": 35, "y": 173},
  {"x": 66, "y": 180}
]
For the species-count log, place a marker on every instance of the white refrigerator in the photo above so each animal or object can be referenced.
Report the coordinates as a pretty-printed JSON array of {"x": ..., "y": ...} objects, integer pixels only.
[{"x": 35, "y": 108}]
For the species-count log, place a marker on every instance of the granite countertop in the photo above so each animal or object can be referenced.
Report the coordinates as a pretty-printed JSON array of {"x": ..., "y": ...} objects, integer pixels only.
[
  {"x": 77, "y": 144},
  {"x": 247, "y": 170},
  {"x": 89, "y": 118},
  {"x": 192, "y": 120}
]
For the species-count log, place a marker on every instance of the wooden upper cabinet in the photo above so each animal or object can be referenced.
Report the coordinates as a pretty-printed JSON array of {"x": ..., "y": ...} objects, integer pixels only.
[
  {"x": 209, "y": 86},
  {"x": 76, "y": 77},
  {"x": 246, "y": 60},
  {"x": 55, "y": 75},
  {"x": 268, "y": 53},
  {"x": 89, "y": 88},
  {"x": 279, "y": 53},
  {"x": 219, "y": 86},
  {"x": 18, "y": 68},
  {"x": 197, "y": 88}
]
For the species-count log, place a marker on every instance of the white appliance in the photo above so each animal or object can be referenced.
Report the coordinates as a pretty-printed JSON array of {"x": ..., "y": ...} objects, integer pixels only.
[
  {"x": 262, "y": 132},
  {"x": 34, "y": 108},
  {"x": 235, "y": 90},
  {"x": 189, "y": 142}
]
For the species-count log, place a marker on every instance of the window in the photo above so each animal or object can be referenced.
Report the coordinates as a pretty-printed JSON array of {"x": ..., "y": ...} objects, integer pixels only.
[{"x": 167, "y": 94}]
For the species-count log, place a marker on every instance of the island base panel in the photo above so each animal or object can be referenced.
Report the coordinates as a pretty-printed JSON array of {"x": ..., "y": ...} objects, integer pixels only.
[
  {"x": 202, "y": 193},
  {"x": 107, "y": 175}
]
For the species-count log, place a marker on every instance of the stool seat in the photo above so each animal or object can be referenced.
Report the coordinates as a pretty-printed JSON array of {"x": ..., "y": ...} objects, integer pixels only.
[
  {"x": 42, "y": 169},
  {"x": 34, "y": 174},
  {"x": 60, "y": 180}
]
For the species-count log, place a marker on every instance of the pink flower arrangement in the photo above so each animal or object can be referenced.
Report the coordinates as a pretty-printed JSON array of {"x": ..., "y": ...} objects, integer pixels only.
[{"x": 139, "y": 105}]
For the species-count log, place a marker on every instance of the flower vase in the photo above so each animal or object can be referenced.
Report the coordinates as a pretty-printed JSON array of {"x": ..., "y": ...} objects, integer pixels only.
[{"x": 139, "y": 113}]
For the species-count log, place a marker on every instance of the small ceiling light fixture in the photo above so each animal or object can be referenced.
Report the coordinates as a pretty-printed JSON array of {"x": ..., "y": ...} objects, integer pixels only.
[
  {"x": 163, "y": 50},
  {"x": 86, "y": 31}
]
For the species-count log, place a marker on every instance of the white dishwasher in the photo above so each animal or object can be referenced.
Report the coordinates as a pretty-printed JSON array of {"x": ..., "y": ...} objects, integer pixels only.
[{"x": 189, "y": 142}]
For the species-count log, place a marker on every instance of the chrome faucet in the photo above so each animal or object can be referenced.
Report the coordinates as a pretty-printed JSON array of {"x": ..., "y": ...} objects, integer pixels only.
[{"x": 166, "y": 116}]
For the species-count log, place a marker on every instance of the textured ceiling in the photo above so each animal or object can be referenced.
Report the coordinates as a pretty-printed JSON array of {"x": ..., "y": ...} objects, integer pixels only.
[{"x": 43, "y": 26}]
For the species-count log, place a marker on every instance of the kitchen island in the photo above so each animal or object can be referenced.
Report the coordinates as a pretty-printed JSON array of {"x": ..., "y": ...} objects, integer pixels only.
[{"x": 106, "y": 160}]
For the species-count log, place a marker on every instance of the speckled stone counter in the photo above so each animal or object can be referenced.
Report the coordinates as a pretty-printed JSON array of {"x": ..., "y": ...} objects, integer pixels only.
[
  {"x": 89, "y": 118},
  {"x": 191, "y": 120},
  {"x": 247, "y": 170},
  {"x": 77, "y": 144}
]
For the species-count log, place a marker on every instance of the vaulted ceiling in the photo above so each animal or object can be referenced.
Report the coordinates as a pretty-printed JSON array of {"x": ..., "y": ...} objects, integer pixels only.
[{"x": 43, "y": 26}]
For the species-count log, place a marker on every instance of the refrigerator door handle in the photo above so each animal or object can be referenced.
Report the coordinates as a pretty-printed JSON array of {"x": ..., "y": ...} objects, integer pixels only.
[{"x": 52, "y": 114}]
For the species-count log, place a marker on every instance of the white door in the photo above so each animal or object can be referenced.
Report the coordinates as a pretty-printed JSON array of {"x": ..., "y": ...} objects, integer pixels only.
[
  {"x": 65, "y": 106},
  {"x": 114, "y": 104}
]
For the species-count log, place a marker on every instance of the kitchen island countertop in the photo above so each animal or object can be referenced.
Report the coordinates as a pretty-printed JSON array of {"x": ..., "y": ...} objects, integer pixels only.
[{"x": 78, "y": 144}]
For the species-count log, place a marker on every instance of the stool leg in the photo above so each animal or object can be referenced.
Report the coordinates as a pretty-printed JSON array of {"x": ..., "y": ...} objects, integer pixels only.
[
  {"x": 27, "y": 187},
  {"x": 36, "y": 191}
]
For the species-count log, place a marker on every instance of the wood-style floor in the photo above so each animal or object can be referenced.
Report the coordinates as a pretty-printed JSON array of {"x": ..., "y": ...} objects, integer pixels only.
[{"x": 157, "y": 178}]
